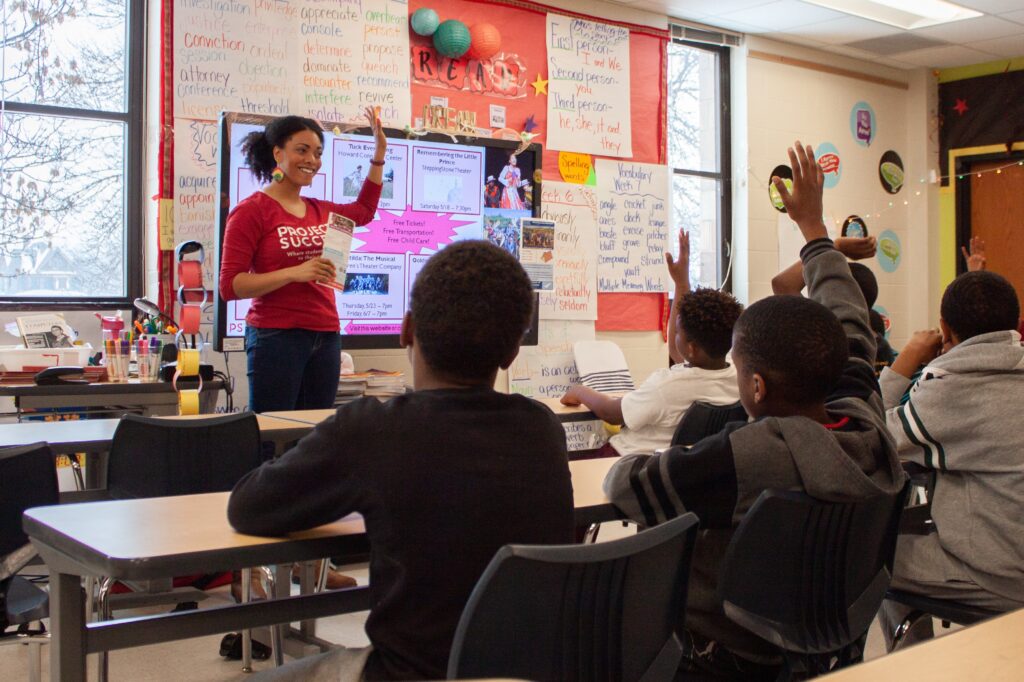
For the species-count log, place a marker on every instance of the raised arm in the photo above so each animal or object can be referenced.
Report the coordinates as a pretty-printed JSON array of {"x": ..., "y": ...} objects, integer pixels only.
[
  {"x": 605, "y": 407},
  {"x": 791, "y": 280},
  {"x": 679, "y": 271}
]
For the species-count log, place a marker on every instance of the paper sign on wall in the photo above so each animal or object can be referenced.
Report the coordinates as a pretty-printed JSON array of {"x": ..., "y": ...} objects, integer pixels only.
[
  {"x": 573, "y": 208},
  {"x": 632, "y": 222},
  {"x": 195, "y": 187},
  {"x": 548, "y": 369},
  {"x": 299, "y": 57},
  {"x": 575, "y": 167},
  {"x": 588, "y": 88}
]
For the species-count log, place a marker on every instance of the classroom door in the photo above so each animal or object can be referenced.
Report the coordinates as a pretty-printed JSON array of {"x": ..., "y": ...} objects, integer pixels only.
[{"x": 997, "y": 216}]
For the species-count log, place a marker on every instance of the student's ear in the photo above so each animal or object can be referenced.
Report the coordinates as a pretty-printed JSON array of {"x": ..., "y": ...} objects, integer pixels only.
[
  {"x": 406, "y": 336},
  {"x": 948, "y": 337},
  {"x": 505, "y": 364},
  {"x": 760, "y": 392}
]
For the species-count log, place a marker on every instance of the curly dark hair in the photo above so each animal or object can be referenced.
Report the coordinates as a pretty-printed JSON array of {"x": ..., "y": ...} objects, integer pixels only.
[
  {"x": 867, "y": 282},
  {"x": 470, "y": 306},
  {"x": 708, "y": 316},
  {"x": 978, "y": 303},
  {"x": 258, "y": 146},
  {"x": 796, "y": 344}
]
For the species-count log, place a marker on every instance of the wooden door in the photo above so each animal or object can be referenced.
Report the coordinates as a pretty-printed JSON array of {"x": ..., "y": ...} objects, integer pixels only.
[{"x": 997, "y": 216}]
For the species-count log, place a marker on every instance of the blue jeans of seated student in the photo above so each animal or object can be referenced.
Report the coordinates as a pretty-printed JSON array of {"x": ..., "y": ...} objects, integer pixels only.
[{"x": 292, "y": 369}]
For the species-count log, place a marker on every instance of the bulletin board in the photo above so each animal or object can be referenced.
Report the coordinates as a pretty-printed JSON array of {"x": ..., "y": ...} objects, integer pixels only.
[{"x": 187, "y": 142}]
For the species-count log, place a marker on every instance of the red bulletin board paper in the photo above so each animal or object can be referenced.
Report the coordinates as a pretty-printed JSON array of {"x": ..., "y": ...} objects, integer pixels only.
[
  {"x": 165, "y": 161},
  {"x": 629, "y": 312},
  {"x": 522, "y": 26}
]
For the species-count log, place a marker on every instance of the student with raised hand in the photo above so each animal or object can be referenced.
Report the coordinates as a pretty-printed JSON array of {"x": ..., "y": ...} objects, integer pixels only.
[
  {"x": 443, "y": 476},
  {"x": 959, "y": 422},
  {"x": 804, "y": 372},
  {"x": 702, "y": 323}
]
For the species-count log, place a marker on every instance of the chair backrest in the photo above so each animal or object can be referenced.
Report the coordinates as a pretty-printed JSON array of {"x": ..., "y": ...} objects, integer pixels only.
[
  {"x": 704, "y": 419},
  {"x": 602, "y": 366},
  {"x": 28, "y": 478},
  {"x": 809, "y": 576},
  {"x": 605, "y": 611},
  {"x": 154, "y": 457}
]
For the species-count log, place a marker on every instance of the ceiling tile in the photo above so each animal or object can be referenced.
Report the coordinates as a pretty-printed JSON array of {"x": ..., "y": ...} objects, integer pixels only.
[
  {"x": 894, "y": 44},
  {"x": 946, "y": 57},
  {"x": 990, "y": 6},
  {"x": 782, "y": 15},
  {"x": 971, "y": 30},
  {"x": 695, "y": 9},
  {"x": 797, "y": 39},
  {"x": 1010, "y": 46},
  {"x": 1017, "y": 16},
  {"x": 845, "y": 30}
]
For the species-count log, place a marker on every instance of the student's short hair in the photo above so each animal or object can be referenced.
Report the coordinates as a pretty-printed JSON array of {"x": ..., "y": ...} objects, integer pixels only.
[
  {"x": 978, "y": 303},
  {"x": 708, "y": 316},
  {"x": 796, "y": 344},
  {"x": 470, "y": 306},
  {"x": 865, "y": 279},
  {"x": 258, "y": 146}
]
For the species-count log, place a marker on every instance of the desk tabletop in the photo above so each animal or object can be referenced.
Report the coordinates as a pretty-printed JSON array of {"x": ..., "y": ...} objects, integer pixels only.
[
  {"x": 95, "y": 435},
  {"x": 989, "y": 651},
  {"x": 313, "y": 417},
  {"x": 132, "y": 386},
  {"x": 592, "y": 505},
  {"x": 154, "y": 537},
  {"x": 564, "y": 413}
]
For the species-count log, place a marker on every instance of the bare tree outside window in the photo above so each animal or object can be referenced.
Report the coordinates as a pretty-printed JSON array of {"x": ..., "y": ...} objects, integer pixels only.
[
  {"x": 65, "y": 149},
  {"x": 695, "y": 155}
]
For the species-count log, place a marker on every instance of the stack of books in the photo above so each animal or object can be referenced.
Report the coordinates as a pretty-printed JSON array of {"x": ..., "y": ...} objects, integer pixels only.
[{"x": 374, "y": 382}]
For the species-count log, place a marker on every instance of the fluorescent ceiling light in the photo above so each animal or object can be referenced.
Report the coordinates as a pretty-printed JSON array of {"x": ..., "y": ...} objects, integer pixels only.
[{"x": 901, "y": 13}]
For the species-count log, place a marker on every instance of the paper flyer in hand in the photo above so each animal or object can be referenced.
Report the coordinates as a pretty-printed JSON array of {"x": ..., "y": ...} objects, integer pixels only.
[
  {"x": 537, "y": 255},
  {"x": 337, "y": 245}
]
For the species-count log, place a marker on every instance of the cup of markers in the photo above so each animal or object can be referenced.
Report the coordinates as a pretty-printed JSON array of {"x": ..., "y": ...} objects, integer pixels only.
[
  {"x": 117, "y": 355},
  {"x": 147, "y": 358}
]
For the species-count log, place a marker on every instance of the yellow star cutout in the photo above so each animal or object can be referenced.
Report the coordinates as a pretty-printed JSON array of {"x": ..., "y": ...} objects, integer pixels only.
[{"x": 540, "y": 86}]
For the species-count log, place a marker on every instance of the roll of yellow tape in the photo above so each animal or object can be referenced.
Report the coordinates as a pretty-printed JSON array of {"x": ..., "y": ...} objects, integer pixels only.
[
  {"x": 188, "y": 401},
  {"x": 188, "y": 362}
]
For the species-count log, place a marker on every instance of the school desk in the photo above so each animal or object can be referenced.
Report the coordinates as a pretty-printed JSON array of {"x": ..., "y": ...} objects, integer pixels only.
[
  {"x": 159, "y": 537},
  {"x": 989, "y": 651},
  {"x": 155, "y": 398}
]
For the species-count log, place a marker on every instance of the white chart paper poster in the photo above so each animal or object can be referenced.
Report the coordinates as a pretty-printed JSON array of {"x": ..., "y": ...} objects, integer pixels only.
[
  {"x": 588, "y": 87},
  {"x": 324, "y": 60},
  {"x": 633, "y": 226},
  {"x": 195, "y": 187},
  {"x": 548, "y": 369},
  {"x": 573, "y": 209}
]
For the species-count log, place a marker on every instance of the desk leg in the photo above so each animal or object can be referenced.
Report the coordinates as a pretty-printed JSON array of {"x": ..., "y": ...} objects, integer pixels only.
[{"x": 67, "y": 621}]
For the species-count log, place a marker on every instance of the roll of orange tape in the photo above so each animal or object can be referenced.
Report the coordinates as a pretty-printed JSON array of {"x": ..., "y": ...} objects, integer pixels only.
[
  {"x": 189, "y": 318},
  {"x": 190, "y": 274},
  {"x": 188, "y": 401}
]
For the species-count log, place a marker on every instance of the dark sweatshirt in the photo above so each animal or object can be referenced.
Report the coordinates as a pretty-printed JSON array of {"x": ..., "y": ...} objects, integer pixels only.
[
  {"x": 720, "y": 477},
  {"x": 443, "y": 479}
]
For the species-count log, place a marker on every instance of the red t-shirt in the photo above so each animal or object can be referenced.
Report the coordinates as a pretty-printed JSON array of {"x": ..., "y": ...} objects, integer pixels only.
[{"x": 263, "y": 237}]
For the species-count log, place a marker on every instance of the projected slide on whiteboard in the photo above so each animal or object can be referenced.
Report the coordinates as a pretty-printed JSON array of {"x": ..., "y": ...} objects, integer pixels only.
[{"x": 434, "y": 193}]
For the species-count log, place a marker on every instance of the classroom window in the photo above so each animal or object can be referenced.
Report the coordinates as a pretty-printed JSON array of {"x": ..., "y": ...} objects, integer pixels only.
[
  {"x": 71, "y": 153},
  {"x": 698, "y": 153}
]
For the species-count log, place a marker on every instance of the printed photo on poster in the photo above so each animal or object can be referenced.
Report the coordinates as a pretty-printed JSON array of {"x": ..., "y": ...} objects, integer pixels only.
[
  {"x": 537, "y": 254},
  {"x": 501, "y": 227},
  {"x": 511, "y": 187}
]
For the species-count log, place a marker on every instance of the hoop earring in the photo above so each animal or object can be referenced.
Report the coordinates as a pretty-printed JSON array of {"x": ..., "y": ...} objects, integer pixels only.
[{"x": 277, "y": 174}]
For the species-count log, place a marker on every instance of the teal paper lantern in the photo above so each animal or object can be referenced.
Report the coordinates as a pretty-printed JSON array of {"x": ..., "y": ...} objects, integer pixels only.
[
  {"x": 452, "y": 38},
  {"x": 424, "y": 21}
]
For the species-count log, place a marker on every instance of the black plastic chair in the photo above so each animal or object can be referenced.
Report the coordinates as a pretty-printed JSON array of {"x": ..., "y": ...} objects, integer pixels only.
[
  {"x": 28, "y": 478},
  {"x": 704, "y": 419},
  {"x": 157, "y": 457},
  {"x": 154, "y": 457},
  {"x": 579, "y": 612},
  {"x": 809, "y": 576}
]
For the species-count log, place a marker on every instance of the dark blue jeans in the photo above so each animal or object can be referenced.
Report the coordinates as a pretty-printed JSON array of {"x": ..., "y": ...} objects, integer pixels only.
[{"x": 292, "y": 369}]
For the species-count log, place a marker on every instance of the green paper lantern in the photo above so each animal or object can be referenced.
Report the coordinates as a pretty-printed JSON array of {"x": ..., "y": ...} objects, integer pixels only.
[
  {"x": 452, "y": 38},
  {"x": 424, "y": 21}
]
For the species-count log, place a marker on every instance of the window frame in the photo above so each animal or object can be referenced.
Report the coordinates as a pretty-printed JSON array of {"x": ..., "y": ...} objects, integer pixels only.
[
  {"x": 723, "y": 176},
  {"x": 134, "y": 168}
]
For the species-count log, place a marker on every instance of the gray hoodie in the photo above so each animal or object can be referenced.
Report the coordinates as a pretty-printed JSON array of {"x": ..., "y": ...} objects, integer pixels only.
[{"x": 961, "y": 422}]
